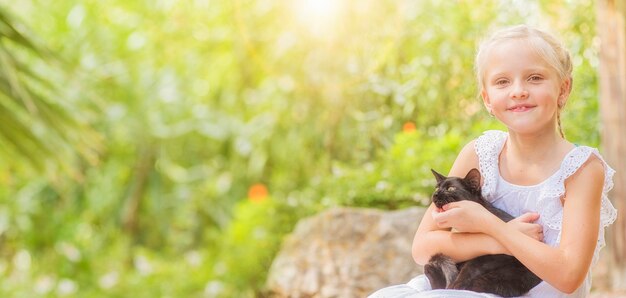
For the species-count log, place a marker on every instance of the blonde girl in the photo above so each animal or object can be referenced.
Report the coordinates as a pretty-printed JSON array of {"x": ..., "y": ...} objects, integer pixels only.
[{"x": 556, "y": 189}]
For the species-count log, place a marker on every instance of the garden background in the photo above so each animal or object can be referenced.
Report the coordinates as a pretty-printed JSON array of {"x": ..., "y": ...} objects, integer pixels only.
[{"x": 164, "y": 148}]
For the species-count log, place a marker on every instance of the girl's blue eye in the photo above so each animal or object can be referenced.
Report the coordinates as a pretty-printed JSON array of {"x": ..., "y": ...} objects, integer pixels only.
[{"x": 501, "y": 82}]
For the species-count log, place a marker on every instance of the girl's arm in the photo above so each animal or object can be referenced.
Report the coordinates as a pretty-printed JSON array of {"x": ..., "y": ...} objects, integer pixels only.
[
  {"x": 431, "y": 239},
  {"x": 564, "y": 267}
]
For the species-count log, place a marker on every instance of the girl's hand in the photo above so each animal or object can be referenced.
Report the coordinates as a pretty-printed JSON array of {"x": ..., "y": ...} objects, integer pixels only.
[
  {"x": 464, "y": 216},
  {"x": 525, "y": 224}
]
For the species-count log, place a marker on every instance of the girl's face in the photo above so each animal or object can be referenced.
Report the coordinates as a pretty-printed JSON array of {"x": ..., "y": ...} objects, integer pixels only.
[{"x": 521, "y": 89}]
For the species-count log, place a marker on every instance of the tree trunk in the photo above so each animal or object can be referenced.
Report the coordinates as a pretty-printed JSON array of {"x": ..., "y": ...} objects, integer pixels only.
[
  {"x": 612, "y": 33},
  {"x": 139, "y": 182}
]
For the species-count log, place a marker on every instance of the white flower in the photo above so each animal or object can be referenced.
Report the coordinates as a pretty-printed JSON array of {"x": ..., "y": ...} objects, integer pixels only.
[
  {"x": 194, "y": 258},
  {"x": 22, "y": 260},
  {"x": 66, "y": 287},
  {"x": 143, "y": 265},
  {"x": 108, "y": 280},
  {"x": 213, "y": 288},
  {"x": 44, "y": 285},
  {"x": 69, "y": 251}
]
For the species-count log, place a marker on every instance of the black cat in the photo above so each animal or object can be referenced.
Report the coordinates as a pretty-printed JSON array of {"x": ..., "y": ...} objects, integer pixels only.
[{"x": 500, "y": 274}]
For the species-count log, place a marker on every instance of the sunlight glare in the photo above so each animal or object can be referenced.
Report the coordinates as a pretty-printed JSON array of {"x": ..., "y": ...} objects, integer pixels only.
[{"x": 318, "y": 15}]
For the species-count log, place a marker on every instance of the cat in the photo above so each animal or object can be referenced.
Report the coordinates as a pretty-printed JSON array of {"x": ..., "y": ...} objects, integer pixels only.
[{"x": 500, "y": 274}]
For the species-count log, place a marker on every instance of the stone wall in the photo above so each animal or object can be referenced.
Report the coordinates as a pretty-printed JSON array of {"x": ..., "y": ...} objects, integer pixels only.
[{"x": 346, "y": 252}]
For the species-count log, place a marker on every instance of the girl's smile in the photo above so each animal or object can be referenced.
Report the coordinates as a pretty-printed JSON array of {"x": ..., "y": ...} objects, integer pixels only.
[{"x": 521, "y": 108}]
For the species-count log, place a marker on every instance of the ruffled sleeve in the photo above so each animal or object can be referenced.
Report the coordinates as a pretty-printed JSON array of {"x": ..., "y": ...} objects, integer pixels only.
[
  {"x": 488, "y": 147},
  {"x": 550, "y": 208}
]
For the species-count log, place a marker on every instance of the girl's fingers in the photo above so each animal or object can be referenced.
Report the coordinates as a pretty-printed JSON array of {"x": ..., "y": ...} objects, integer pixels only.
[
  {"x": 437, "y": 216},
  {"x": 528, "y": 217},
  {"x": 449, "y": 206},
  {"x": 440, "y": 219}
]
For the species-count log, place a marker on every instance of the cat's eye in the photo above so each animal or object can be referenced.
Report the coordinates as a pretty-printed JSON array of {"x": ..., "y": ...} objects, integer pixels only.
[{"x": 451, "y": 188}]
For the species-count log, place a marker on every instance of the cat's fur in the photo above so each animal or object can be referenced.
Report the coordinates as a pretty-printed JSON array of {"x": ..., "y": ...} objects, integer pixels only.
[{"x": 501, "y": 274}]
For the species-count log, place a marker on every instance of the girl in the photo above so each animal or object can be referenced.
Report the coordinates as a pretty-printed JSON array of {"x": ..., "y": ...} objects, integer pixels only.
[{"x": 556, "y": 189}]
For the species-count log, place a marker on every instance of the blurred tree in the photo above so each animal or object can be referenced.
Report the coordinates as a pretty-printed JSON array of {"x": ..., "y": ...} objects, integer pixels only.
[{"x": 612, "y": 33}]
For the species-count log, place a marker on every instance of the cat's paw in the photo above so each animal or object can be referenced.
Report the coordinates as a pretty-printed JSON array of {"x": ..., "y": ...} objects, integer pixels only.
[
  {"x": 441, "y": 271},
  {"x": 435, "y": 276}
]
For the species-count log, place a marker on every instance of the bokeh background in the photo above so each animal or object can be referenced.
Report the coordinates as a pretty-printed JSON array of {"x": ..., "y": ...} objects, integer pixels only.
[{"x": 164, "y": 148}]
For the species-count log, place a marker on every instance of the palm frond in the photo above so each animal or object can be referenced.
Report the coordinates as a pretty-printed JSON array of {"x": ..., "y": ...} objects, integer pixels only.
[{"x": 36, "y": 124}]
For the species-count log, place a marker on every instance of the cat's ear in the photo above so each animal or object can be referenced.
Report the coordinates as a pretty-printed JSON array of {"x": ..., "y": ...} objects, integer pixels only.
[
  {"x": 438, "y": 176},
  {"x": 473, "y": 179}
]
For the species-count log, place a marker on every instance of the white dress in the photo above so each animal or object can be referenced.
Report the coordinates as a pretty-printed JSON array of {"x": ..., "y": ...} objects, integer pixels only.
[{"x": 543, "y": 198}]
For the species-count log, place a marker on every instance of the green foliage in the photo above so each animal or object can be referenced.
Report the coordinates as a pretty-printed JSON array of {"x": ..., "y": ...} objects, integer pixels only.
[
  {"x": 249, "y": 244},
  {"x": 162, "y": 114},
  {"x": 400, "y": 177}
]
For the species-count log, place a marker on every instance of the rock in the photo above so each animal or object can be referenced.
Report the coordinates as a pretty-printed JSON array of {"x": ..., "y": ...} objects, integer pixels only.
[{"x": 346, "y": 252}]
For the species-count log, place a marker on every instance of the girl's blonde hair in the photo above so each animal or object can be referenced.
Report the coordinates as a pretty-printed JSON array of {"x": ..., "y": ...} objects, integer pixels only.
[{"x": 543, "y": 43}]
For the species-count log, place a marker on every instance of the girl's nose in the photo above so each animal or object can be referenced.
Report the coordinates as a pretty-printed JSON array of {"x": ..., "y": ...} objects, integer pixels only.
[{"x": 519, "y": 91}]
